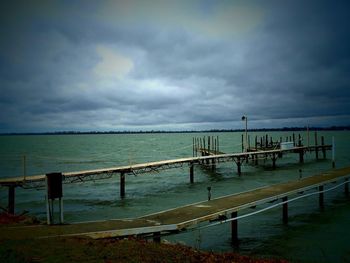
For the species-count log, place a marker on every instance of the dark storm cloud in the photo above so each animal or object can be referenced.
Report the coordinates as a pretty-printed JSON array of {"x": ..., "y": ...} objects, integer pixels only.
[{"x": 128, "y": 65}]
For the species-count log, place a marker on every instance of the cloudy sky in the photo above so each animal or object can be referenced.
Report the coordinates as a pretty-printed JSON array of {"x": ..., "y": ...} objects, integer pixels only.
[{"x": 173, "y": 65}]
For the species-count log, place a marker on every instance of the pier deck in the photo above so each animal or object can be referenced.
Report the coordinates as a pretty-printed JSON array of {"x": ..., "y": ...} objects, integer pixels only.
[
  {"x": 152, "y": 166},
  {"x": 182, "y": 218}
]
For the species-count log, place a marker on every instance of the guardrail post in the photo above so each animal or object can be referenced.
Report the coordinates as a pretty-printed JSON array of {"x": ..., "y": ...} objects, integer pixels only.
[
  {"x": 285, "y": 210},
  {"x": 234, "y": 229},
  {"x": 321, "y": 196}
]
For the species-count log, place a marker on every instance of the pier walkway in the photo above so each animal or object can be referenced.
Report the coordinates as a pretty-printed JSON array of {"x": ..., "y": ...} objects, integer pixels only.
[
  {"x": 189, "y": 216},
  {"x": 36, "y": 181},
  {"x": 209, "y": 158}
]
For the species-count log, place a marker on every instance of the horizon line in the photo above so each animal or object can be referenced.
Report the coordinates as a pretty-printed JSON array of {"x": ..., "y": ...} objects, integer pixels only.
[{"x": 72, "y": 132}]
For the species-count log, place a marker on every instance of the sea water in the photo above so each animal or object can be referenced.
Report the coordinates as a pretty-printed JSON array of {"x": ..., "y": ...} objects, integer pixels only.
[{"x": 311, "y": 235}]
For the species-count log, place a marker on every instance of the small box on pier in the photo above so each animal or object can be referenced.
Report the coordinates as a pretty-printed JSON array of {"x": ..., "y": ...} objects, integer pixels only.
[{"x": 54, "y": 185}]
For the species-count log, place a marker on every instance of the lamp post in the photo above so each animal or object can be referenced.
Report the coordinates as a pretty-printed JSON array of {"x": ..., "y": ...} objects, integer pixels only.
[{"x": 245, "y": 118}]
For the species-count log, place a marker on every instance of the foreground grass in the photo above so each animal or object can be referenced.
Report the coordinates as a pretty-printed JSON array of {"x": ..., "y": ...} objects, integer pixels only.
[{"x": 111, "y": 250}]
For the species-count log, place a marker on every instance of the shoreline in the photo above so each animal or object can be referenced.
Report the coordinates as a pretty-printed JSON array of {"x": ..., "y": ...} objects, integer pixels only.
[{"x": 76, "y": 249}]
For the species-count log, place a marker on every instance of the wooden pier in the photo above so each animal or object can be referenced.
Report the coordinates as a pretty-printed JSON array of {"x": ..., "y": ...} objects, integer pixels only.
[
  {"x": 190, "y": 216},
  {"x": 203, "y": 154}
]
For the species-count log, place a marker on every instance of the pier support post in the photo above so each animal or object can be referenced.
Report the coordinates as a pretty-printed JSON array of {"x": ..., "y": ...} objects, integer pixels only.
[
  {"x": 321, "y": 196},
  {"x": 234, "y": 229},
  {"x": 285, "y": 210},
  {"x": 11, "y": 200},
  {"x": 239, "y": 171},
  {"x": 301, "y": 156},
  {"x": 323, "y": 148},
  {"x": 274, "y": 161},
  {"x": 191, "y": 173},
  {"x": 122, "y": 184},
  {"x": 346, "y": 187}
]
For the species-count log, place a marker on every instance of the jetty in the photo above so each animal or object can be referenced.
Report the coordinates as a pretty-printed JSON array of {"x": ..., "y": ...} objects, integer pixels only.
[
  {"x": 219, "y": 210},
  {"x": 206, "y": 152}
]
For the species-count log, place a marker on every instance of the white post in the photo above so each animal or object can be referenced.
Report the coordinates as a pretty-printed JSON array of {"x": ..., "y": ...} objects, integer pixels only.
[
  {"x": 61, "y": 210},
  {"x": 48, "y": 213},
  {"x": 333, "y": 152}
]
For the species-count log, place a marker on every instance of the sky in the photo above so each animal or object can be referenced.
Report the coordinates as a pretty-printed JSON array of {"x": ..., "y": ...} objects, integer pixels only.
[{"x": 173, "y": 65}]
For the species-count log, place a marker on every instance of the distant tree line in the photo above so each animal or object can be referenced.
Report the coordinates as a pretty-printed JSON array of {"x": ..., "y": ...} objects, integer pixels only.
[{"x": 331, "y": 128}]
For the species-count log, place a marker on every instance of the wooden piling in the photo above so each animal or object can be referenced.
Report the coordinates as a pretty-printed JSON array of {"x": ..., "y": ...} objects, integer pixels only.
[
  {"x": 11, "y": 200},
  {"x": 301, "y": 156},
  {"x": 285, "y": 210},
  {"x": 239, "y": 166},
  {"x": 192, "y": 147},
  {"x": 242, "y": 143},
  {"x": 122, "y": 184},
  {"x": 274, "y": 161},
  {"x": 323, "y": 148},
  {"x": 208, "y": 144},
  {"x": 234, "y": 229},
  {"x": 217, "y": 139},
  {"x": 215, "y": 147},
  {"x": 191, "y": 173},
  {"x": 316, "y": 147},
  {"x": 208, "y": 150},
  {"x": 321, "y": 196},
  {"x": 294, "y": 139}
]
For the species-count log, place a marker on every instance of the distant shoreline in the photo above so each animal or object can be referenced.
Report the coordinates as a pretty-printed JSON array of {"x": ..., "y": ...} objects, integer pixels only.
[{"x": 332, "y": 128}]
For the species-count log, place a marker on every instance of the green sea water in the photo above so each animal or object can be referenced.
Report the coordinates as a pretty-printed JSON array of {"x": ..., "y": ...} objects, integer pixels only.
[{"x": 311, "y": 235}]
